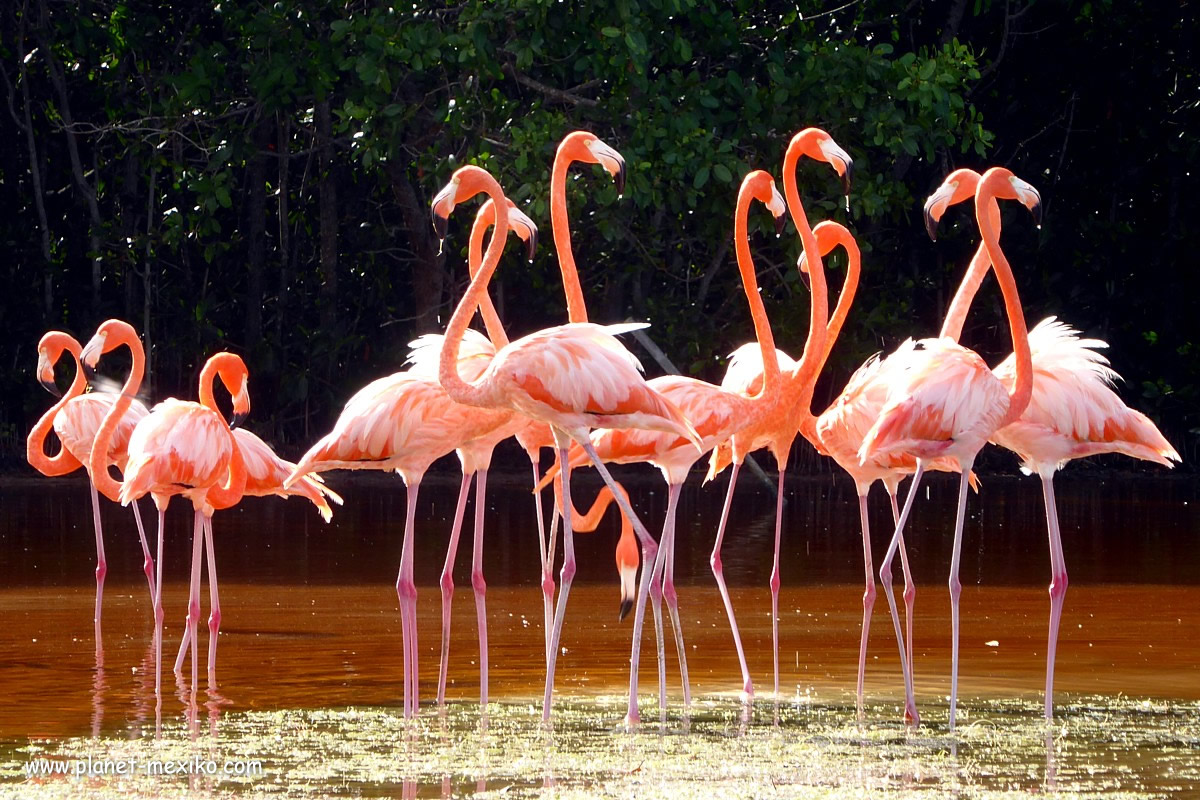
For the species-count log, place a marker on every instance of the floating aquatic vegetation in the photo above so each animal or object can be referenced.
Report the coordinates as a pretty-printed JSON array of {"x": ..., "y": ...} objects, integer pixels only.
[{"x": 1097, "y": 747}]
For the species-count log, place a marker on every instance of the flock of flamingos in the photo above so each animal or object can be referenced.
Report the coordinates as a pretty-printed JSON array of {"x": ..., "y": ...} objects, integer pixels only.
[{"x": 931, "y": 404}]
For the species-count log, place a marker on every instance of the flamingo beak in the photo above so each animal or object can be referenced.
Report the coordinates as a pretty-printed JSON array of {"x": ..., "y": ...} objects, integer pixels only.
[
  {"x": 241, "y": 406},
  {"x": 46, "y": 377},
  {"x": 628, "y": 590},
  {"x": 1030, "y": 198},
  {"x": 778, "y": 209},
  {"x": 935, "y": 207},
  {"x": 91, "y": 355},
  {"x": 802, "y": 266},
  {"x": 238, "y": 418},
  {"x": 611, "y": 160},
  {"x": 525, "y": 228},
  {"x": 442, "y": 206}
]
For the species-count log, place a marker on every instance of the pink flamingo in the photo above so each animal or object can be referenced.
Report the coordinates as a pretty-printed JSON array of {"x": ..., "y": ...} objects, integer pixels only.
[
  {"x": 75, "y": 419},
  {"x": 574, "y": 377},
  {"x": 265, "y": 473},
  {"x": 626, "y": 552},
  {"x": 948, "y": 403},
  {"x": 715, "y": 412},
  {"x": 1073, "y": 411},
  {"x": 785, "y": 392},
  {"x": 179, "y": 448},
  {"x": 405, "y": 422}
]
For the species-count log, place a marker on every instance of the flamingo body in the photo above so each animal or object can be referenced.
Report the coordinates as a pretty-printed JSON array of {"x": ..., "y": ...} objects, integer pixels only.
[{"x": 76, "y": 425}]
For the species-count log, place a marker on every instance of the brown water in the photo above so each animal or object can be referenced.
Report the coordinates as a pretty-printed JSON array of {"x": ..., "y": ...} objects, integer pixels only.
[{"x": 311, "y": 624}]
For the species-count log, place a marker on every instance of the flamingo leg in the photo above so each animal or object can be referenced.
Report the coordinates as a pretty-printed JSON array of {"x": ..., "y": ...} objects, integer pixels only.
[
  {"x": 214, "y": 601},
  {"x": 480, "y": 585},
  {"x": 447, "y": 582},
  {"x": 956, "y": 588},
  {"x": 567, "y": 574},
  {"x": 885, "y": 577},
  {"x": 101, "y": 566},
  {"x": 649, "y": 556},
  {"x": 547, "y": 567},
  {"x": 158, "y": 609},
  {"x": 719, "y": 573},
  {"x": 548, "y": 577},
  {"x": 655, "y": 593},
  {"x": 910, "y": 591},
  {"x": 669, "y": 589},
  {"x": 147, "y": 560},
  {"x": 868, "y": 600},
  {"x": 1058, "y": 587},
  {"x": 193, "y": 615},
  {"x": 406, "y": 592},
  {"x": 775, "y": 575}
]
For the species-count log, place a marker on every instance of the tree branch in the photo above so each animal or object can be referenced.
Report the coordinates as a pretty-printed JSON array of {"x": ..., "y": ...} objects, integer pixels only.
[{"x": 550, "y": 92}]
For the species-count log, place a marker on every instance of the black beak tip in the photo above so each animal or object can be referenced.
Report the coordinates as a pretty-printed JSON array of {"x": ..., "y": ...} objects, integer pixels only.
[
  {"x": 620, "y": 179},
  {"x": 1037, "y": 214},
  {"x": 50, "y": 387},
  {"x": 531, "y": 246},
  {"x": 931, "y": 226},
  {"x": 237, "y": 419},
  {"x": 89, "y": 372},
  {"x": 847, "y": 176},
  {"x": 804, "y": 278},
  {"x": 780, "y": 221},
  {"x": 626, "y": 606},
  {"x": 440, "y": 226}
]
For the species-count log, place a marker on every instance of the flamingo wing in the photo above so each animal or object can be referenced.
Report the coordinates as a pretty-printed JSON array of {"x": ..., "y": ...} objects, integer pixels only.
[
  {"x": 178, "y": 444},
  {"x": 76, "y": 425}
]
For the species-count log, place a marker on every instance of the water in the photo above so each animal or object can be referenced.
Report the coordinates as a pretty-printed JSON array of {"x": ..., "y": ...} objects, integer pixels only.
[{"x": 309, "y": 674}]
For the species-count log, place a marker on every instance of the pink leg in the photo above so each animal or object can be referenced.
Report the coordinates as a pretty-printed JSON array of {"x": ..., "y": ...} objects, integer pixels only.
[
  {"x": 655, "y": 592},
  {"x": 480, "y": 586},
  {"x": 406, "y": 592},
  {"x": 158, "y": 610},
  {"x": 101, "y": 566},
  {"x": 719, "y": 573},
  {"x": 910, "y": 592},
  {"x": 885, "y": 577},
  {"x": 543, "y": 553},
  {"x": 1058, "y": 587},
  {"x": 193, "y": 615},
  {"x": 956, "y": 587},
  {"x": 447, "y": 582},
  {"x": 214, "y": 601},
  {"x": 567, "y": 574},
  {"x": 669, "y": 589},
  {"x": 868, "y": 600},
  {"x": 775, "y": 576},
  {"x": 548, "y": 578},
  {"x": 147, "y": 561}
]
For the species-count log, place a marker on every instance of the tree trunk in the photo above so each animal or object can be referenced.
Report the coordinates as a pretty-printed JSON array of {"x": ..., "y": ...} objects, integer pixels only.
[
  {"x": 429, "y": 270},
  {"x": 256, "y": 231}
]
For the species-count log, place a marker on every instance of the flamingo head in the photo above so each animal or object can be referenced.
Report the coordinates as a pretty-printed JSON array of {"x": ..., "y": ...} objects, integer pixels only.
[
  {"x": 518, "y": 223},
  {"x": 958, "y": 186},
  {"x": 1004, "y": 185},
  {"x": 51, "y": 347},
  {"x": 466, "y": 182},
  {"x": 586, "y": 147},
  {"x": 761, "y": 186},
  {"x": 627, "y": 566},
  {"x": 110, "y": 335},
  {"x": 819, "y": 145},
  {"x": 524, "y": 227},
  {"x": 232, "y": 371},
  {"x": 829, "y": 234}
]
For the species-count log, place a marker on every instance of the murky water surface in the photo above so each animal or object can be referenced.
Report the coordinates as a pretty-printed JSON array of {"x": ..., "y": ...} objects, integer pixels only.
[{"x": 309, "y": 678}]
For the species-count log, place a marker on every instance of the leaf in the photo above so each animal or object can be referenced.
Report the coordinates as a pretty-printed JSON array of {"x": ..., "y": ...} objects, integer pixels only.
[
  {"x": 721, "y": 173},
  {"x": 611, "y": 32},
  {"x": 701, "y": 178}
]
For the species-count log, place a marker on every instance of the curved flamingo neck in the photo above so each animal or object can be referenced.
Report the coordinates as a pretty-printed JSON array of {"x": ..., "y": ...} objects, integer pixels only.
[
  {"x": 98, "y": 462},
  {"x": 491, "y": 320},
  {"x": 35, "y": 443},
  {"x": 956, "y": 314},
  {"x": 845, "y": 297},
  {"x": 814, "y": 347},
  {"x": 585, "y": 523},
  {"x": 772, "y": 379},
  {"x": 459, "y": 390},
  {"x": 560, "y": 226},
  {"x": 208, "y": 376},
  {"x": 988, "y": 215},
  {"x": 222, "y": 496}
]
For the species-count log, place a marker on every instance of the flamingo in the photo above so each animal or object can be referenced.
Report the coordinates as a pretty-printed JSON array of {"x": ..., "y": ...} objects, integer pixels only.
[
  {"x": 75, "y": 419},
  {"x": 1073, "y": 412},
  {"x": 405, "y": 422},
  {"x": 179, "y": 448},
  {"x": 948, "y": 403},
  {"x": 575, "y": 377},
  {"x": 715, "y": 412},
  {"x": 777, "y": 429},
  {"x": 265, "y": 474}
]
